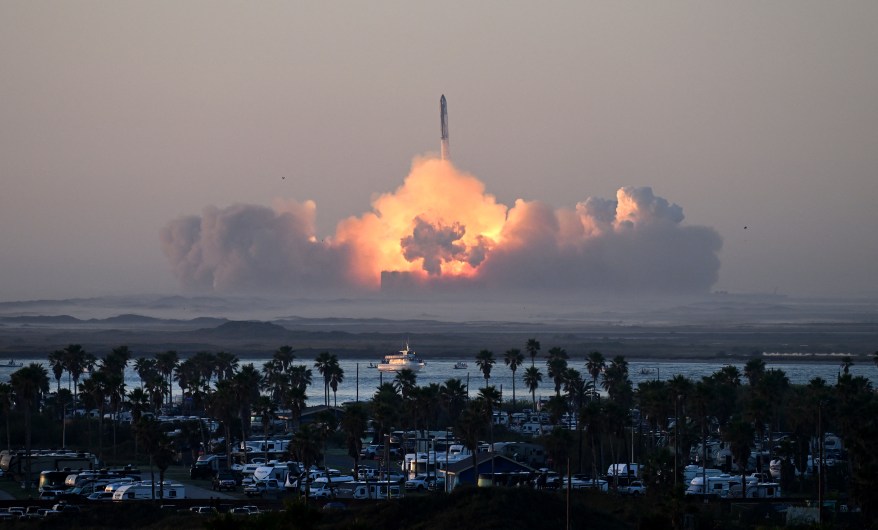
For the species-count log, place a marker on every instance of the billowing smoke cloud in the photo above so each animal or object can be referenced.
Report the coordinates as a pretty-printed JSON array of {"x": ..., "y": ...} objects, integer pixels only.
[
  {"x": 439, "y": 229},
  {"x": 247, "y": 247}
]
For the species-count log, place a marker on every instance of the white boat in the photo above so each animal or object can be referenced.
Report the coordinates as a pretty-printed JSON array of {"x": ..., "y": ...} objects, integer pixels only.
[
  {"x": 12, "y": 364},
  {"x": 405, "y": 359},
  {"x": 460, "y": 365}
]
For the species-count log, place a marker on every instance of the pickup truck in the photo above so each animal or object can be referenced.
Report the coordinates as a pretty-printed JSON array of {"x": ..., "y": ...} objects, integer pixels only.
[
  {"x": 261, "y": 487},
  {"x": 224, "y": 480},
  {"x": 635, "y": 489}
]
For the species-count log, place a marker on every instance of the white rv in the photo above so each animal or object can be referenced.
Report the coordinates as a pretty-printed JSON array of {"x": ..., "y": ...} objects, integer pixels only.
[
  {"x": 718, "y": 486},
  {"x": 143, "y": 491},
  {"x": 371, "y": 490}
]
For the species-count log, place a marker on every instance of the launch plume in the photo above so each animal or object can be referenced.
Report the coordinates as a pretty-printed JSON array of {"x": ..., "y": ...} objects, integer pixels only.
[{"x": 440, "y": 229}]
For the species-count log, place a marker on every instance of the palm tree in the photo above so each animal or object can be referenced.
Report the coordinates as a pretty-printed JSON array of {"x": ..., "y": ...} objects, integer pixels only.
[
  {"x": 246, "y": 384},
  {"x": 513, "y": 359},
  {"x": 77, "y": 361},
  {"x": 226, "y": 365},
  {"x": 284, "y": 356},
  {"x": 325, "y": 363},
  {"x": 595, "y": 364},
  {"x": 223, "y": 405},
  {"x": 305, "y": 445},
  {"x": 29, "y": 384},
  {"x": 159, "y": 448},
  {"x": 556, "y": 366},
  {"x": 56, "y": 363},
  {"x": 336, "y": 377},
  {"x": 616, "y": 382},
  {"x": 532, "y": 379},
  {"x": 469, "y": 427},
  {"x": 739, "y": 434},
  {"x": 405, "y": 382},
  {"x": 753, "y": 370},
  {"x": 485, "y": 360},
  {"x": 275, "y": 379},
  {"x": 533, "y": 348},
  {"x": 145, "y": 367},
  {"x": 297, "y": 396},
  {"x": 385, "y": 409},
  {"x": 354, "y": 423},
  {"x": 166, "y": 362},
  {"x": 452, "y": 393}
]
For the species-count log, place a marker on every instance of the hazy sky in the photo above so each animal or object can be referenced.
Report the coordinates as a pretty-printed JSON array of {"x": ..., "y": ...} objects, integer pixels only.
[{"x": 118, "y": 117}]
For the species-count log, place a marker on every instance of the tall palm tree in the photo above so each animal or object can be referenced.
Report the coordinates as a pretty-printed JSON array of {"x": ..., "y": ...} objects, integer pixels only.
[
  {"x": 285, "y": 356},
  {"x": 616, "y": 382},
  {"x": 29, "y": 384},
  {"x": 595, "y": 365},
  {"x": 325, "y": 363},
  {"x": 753, "y": 370},
  {"x": 159, "y": 447},
  {"x": 275, "y": 379},
  {"x": 145, "y": 368},
  {"x": 490, "y": 399},
  {"x": 167, "y": 362},
  {"x": 77, "y": 361},
  {"x": 739, "y": 434},
  {"x": 386, "y": 405},
  {"x": 532, "y": 379},
  {"x": 469, "y": 427},
  {"x": 513, "y": 359},
  {"x": 296, "y": 398},
  {"x": 223, "y": 405},
  {"x": 452, "y": 393},
  {"x": 405, "y": 382},
  {"x": 56, "y": 363},
  {"x": 305, "y": 445},
  {"x": 226, "y": 364},
  {"x": 336, "y": 377},
  {"x": 246, "y": 383},
  {"x": 533, "y": 348},
  {"x": 354, "y": 424},
  {"x": 117, "y": 360},
  {"x": 485, "y": 360},
  {"x": 98, "y": 388}
]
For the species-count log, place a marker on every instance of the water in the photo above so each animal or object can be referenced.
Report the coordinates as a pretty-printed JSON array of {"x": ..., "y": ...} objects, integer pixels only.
[{"x": 439, "y": 371}]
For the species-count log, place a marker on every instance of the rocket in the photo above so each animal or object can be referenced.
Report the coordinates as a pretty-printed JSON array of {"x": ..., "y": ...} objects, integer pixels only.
[{"x": 444, "y": 150}]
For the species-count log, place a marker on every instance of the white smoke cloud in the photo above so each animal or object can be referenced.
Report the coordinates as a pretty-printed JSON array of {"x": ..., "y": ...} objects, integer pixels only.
[
  {"x": 251, "y": 248},
  {"x": 456, "y": 236}
]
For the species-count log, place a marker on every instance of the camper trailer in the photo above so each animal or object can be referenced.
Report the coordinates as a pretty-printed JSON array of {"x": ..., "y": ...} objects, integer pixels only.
[
  {"x": 144, "y": 491},
  {"x": 717, "y": 486}
]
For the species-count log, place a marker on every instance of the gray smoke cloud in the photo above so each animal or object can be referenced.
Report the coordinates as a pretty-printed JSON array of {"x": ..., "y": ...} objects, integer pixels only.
[{"x": 251, "y": 248}]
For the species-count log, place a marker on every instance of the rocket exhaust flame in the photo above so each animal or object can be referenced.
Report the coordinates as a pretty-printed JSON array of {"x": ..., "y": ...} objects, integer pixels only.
[{"x": 441, "y": 230}]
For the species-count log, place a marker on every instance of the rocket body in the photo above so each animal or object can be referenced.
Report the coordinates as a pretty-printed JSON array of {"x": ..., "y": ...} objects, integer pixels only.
[{"x": 445, "y": 151}]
